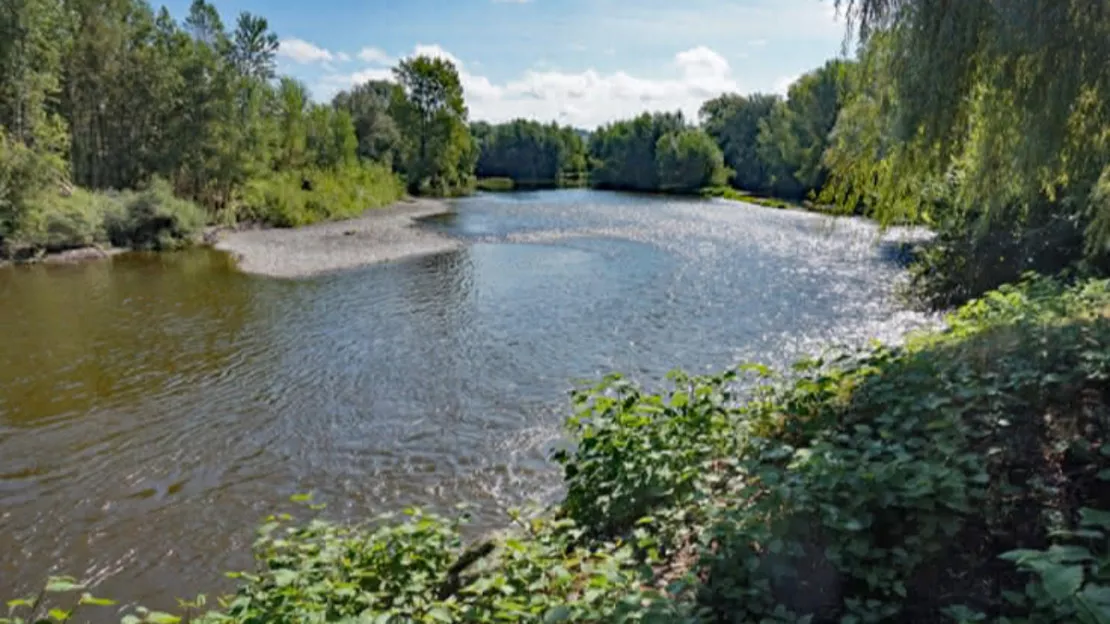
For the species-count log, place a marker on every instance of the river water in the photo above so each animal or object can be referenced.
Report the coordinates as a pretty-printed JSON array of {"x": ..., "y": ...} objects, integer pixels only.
[{"x": 153, "y": 408}]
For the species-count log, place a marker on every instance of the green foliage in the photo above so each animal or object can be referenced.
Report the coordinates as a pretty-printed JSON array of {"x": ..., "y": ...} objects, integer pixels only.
[
  {"x": 529, "y": 153},
  {"x": 379, "y": 138},
  {"x": 794, "y": 136},
  {"x": 622, "y": 154},
  {"x": 439, "y": 154},
  {"x": 734, "y": 122},
  {"x": 154, "y": 219},
  {"x": 655, "y": 153},
  {"x": 40, "y": 212},
  {"x": 1004, "y": 104},
  {"x": 727, "y": 192},
  {"x": 109, "y": 96},
  {"x": 865, "y": 489},
  {"x": 689, "y": 161},
  {"x": 1072, "y": 579},
  {"x": 55, "y": 223},
  {"x": 295, "y": 198}
]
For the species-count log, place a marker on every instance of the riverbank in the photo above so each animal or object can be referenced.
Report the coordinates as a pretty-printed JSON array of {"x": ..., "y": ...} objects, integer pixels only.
[
  {"x": 379, "y": 235},
  {"x": 875, "y": 486}
]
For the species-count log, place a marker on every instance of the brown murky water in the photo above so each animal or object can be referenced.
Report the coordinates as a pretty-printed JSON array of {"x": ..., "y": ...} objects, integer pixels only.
[{"x": 154, "y": 408}]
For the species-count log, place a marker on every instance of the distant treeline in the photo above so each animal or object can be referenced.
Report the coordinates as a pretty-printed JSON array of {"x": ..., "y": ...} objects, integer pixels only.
[
  {"x": 529, "y": 153},
  {"x": 760, "y": 143}
]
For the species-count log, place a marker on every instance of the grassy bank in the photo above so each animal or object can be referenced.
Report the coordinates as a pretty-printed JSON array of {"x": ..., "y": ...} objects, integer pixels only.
[
  {"x": 727, "y": 192},
  {"x": 502, "y": 184},
  {"x": 960, "y": 478}
]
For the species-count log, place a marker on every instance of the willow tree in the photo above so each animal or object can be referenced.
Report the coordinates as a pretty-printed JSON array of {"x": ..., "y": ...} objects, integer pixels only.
[
  {"x": 1012, "y": 95},
  {"x": 989, "y": 116}
]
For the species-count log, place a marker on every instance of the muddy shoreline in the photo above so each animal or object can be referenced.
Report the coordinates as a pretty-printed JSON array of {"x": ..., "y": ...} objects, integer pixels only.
[{"x": 379, "y": 235}]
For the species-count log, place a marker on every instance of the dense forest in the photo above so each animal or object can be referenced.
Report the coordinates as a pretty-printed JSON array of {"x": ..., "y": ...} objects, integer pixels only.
[{"x": 122, "y": 125}]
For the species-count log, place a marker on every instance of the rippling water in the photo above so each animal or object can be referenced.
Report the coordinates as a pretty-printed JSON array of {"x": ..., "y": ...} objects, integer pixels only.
[{"x": 155, "y": 407}]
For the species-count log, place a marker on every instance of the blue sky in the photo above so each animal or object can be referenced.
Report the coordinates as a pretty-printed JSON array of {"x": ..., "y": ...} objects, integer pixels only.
[{"x": 583, "y": 62}]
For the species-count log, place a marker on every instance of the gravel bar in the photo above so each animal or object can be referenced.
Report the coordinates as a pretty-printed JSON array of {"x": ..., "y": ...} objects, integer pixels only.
[{"x": 379, "y": 235}]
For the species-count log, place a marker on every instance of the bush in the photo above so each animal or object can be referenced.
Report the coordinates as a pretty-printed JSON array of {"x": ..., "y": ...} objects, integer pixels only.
[
  {"x": 884, "y": 485},
  {"x": 53, "y": 223},
  {"x": 40, "y": 213},
  {"x": 154, "y": 219},
  {"x": 296, "y": 198}
]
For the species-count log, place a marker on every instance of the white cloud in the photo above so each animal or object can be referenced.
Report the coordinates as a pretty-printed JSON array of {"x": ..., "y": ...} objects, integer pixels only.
[
  {"x": 342, "y": 57},
  {"x": 586, "y": 98},
  {"x": 374, "y": 55},
  {"x": 303, "y": 52},
  {"x": 757, "y": 43},
  {"x": 782, "y": 84},
  {"x": 436, "y": 51}
]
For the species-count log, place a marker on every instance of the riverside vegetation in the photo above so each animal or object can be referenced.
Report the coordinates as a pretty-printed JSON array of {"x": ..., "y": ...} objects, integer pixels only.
[
  {"x": 962, "y": 477},
  {"x": 120, "y": 125}
]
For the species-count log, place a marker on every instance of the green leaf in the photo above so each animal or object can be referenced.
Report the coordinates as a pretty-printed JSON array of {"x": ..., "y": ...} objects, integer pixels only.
[
  {"x": 21, "y": 602},
  {"x": 160, "y": 617},
  {"x": 89, "y": 599},
  {"x": 301, "y": 498},
  {"x": 1098, "y": 594},
  {"x": 284, "y": 578},
  {"x": 560, "y": 613},
  {"x": 440, "y": 614},
  {"x": 1094, "y": 518},
  {"x": 59, "y": 615},
  {"x": 58, "y": 584},
  {"x": 1062, "y": 581}
]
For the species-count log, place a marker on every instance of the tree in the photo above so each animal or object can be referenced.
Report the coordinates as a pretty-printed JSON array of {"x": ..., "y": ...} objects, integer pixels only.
[
  {"x": 623, "y": 153},
  {"x": 733, "y": 121},
  {"x": 1009, "y": 95},
  {"x": 989, "y": 121},
  {"x": 689, "y": 161},
  {"x": 793, "y": 138},
  {"x": 31, "y": 39},
  {"x": 379, "y": 139},
  {"x": 529, "y": 152},
  {"x": 254, "y": 47},
  {"x": 292, "y": 102},
  {"x": 432, "y": 115}
]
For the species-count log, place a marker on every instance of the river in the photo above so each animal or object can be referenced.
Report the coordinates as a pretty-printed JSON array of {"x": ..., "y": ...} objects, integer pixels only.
[{"x": 154, "y": 408}]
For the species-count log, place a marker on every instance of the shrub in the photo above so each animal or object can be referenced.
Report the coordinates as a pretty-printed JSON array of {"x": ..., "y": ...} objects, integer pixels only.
[
  {"x": 296, "y": 198},
  {"x": 154, "y": 219},
  {"x": 53, "y": 222}
]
